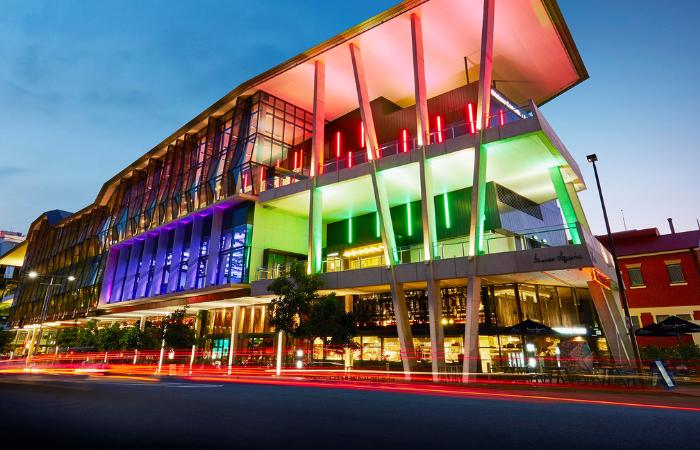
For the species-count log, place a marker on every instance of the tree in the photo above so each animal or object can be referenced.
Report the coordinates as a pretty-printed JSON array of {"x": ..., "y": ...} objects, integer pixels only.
[
  {"x": 109, "y": 338},
  {"x": 6, "y": 339},
  {"x": 176, "y": 332},
  {"x": 301, "y": 312}
]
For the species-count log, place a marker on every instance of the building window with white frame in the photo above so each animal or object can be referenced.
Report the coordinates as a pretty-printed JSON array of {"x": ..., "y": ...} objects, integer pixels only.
[
  {"x": 675, "y": 273},
  {"x": 636, "y": 278}
]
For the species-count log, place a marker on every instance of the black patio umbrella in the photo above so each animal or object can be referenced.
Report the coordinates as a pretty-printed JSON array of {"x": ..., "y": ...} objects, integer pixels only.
[
  {"x": 670, "y": 326},
  {"x": 529, "y": 327}
]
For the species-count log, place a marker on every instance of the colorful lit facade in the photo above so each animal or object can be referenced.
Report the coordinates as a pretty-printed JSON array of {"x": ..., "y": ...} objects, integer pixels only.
[{"x": 406, "y": 160}]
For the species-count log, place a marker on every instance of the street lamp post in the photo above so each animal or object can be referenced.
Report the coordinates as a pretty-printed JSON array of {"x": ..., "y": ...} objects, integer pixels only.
[
  {"x": 623, "y": 295},
  {"x": 44, "y": 307}
]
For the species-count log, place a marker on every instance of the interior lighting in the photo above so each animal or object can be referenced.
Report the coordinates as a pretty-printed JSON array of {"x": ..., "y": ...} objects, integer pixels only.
[
  {"x": 570, "y": 331},
  {"x": 505, "y": 102},
  {"x": 71, "y": 278},
  {"x": 361, "y": 251},
  {"x": 349, "y": 159},
  {"x": 33, "y": 274},
  {"x": 300, "y": 353},
  {"x": 296, "y": 158}
]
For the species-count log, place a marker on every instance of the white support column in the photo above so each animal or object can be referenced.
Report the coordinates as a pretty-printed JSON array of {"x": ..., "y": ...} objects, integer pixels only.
[
  {"x": 437, "y": 336},
  {"x": 576, "y": 203},
  {"x": 471, "y": 329},
  {"x": 142, "y": 323},
  {"x": 422, "y": 120},
  {"x": 408, "y": 352},
  {"x": 160, "y": 263},
  {"x": 233, "y": 344},
  {"x": 217, "y": 221},
  {"x": 132, "y": 269},
  {"x": 614, "y": 330},
  {"x": 176, "y": 257},
  {"x": 317, "y": 145},
  {"x": 478, "y": 201},
  {"x": 148, "y": 249},
  {"x": 348, "y": 351},
  {"x": 364, "y": 101},
  {"x": 251, "y": 320}
]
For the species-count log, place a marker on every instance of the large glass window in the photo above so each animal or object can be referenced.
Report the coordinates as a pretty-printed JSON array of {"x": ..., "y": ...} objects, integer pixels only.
[
  {"x": 528, "y": 303},
  {"x": 569, "y": 309},
  {"x": 506, "y": 305},
  {"x": 549, "y": 305}
]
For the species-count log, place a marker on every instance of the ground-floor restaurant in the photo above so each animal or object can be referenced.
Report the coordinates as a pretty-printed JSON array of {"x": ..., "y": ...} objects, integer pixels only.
[{"x": 574, "y": 331}]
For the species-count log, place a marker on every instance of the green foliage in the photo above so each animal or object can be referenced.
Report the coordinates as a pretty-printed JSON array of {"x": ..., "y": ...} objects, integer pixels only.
[
  {"x": 109, "y": 338},
  {"x": 176, "y": 332},
  {"x": 6, "y": 338},
  {"x": 151, "y": 338},
  {"x": 686, "y": 352},
  {"x": 301, "y": 312}
]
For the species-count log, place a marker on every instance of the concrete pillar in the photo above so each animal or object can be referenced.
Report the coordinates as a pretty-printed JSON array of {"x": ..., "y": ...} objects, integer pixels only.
[
  {"x": 403, "y": 326},
  {"x": 149, "y": 245},
  {"x": 437, "y": 336},
  {"x": 110, "y": 272},
  {"x": 349, "y": 359},
  {"x": 471, "y": 329},
  {"x": 233, "y": 344},
  {"x": 251, "y": 320},
  {"x": 364, "y": 101},
  {"x": 614, "y": 330},
  {"x": 261, "y": 319},
  {"x": 176, "y": 257},
  {"x": 318, "y": 137},
  {"x": 132, "y": 269},
  {"x": 422, "y": 120},
  {"x": 315, "y": 257},
  {"x": 195, "y": 245},
  {"x": 161, "y": 251},
  {"x": 565, "y": 204},
  {"x": 478, "y": 209},
  {"x": 217, "y": 222}
]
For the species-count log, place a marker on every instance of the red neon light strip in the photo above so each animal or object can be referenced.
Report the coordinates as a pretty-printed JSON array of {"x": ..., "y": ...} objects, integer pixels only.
[
  {"x": 262, "y": 175},
  {"x": 362, "y": 135},
  {"x": 501, "y": 117},
  {"x": 337, "y": 144},
  {"x": 470, "y": 108},
  {"x": 404, "y": 139},
  {"x": 349, "y": 159},
  {"x": 439, "y": 129},
  {"x": 295, "y": 160}
]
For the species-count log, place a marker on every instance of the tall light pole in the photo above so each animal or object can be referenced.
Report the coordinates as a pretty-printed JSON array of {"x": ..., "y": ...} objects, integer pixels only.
[
  {"x": 45, "y": 306},
  {"x": 623, "y": 295}
]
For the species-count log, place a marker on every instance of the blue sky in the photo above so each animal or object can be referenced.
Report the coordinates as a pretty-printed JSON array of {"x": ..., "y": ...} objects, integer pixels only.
[{"x": 87, "y": 87}]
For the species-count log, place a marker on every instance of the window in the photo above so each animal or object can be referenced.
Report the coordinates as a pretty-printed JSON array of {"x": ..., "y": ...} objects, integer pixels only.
[
  {"x": 636, "y": 278},
  {"x": 675, "y": 273},
  {"x": 635, "y": 322}
]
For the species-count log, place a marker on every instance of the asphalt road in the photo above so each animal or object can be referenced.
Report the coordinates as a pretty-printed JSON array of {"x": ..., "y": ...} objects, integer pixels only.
[{"x": 129, "y": 415}]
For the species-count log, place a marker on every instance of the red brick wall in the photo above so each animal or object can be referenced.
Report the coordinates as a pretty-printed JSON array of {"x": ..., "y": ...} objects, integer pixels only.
[{"x": 658, "y": 291}]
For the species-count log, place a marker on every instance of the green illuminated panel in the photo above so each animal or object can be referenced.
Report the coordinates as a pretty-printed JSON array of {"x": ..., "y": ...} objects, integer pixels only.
[
  {"x": 447, "y": 210},
  {"x": 409, "y": 222},
  {"x": 567, "y": 208}
]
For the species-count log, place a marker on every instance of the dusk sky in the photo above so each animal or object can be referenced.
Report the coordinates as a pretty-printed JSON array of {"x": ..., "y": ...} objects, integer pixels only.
[{"x": 88, "y": 87}]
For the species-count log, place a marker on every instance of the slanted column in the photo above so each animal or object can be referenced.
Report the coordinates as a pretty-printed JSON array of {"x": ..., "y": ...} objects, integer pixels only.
[
  {"x": 195, "y": 245},
  {"x": 612, "y": 322},
  {"x": 380, "y": 195},
  {"x": 146, "y": 257},
  {"x": 565, "y": 203},
  {"x": 403, "y": 326},
  {"x": 471, "y": 329},
  {"x": 422, "y": 121},
  {"x": 315, "y": 248},
  {"x": 478, "y": 208},
  {"x": 161, "y": 252},
  {"x": 217, "y": 222},
  {"x": 132, "y": 269},
  {"x": 176, "y": 257},
  {"x": 576, "y": 204}
]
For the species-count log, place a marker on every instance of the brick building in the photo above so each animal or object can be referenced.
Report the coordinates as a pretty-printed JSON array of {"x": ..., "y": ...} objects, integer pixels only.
[{"x": 662, "y": 276}]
